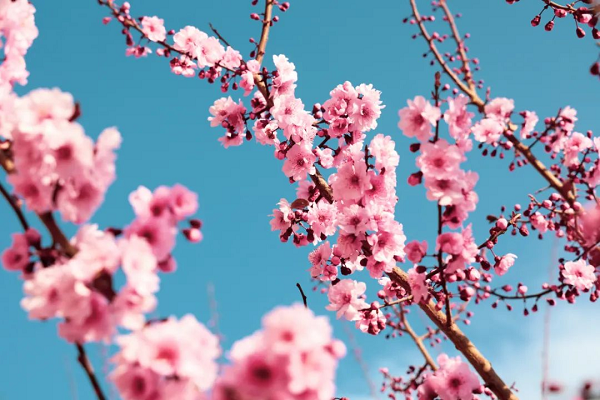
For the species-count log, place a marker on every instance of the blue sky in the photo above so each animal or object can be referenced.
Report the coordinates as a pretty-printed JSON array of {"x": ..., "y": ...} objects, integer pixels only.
[{"x": 167, "y": 139}]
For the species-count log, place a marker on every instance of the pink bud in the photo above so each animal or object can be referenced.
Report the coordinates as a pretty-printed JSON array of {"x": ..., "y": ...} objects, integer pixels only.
[
  {"x": 502, "y": 224},
  {"x": 522, "y": 289},
  {"x": 560, "y": 13},
  {"x": 415, "y": 179},
  {"x": 192, "y": 234},
  {"x": 580, "y": 33},
  {"x": 549, "y": 26},
  {"x": 536, "y": 20}
]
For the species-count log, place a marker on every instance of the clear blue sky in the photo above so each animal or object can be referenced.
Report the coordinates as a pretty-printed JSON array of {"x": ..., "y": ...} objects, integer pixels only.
[{"x": 167, "y": 139}]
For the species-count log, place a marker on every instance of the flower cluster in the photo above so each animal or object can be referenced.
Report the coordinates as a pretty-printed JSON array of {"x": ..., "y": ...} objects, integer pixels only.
[
  {"x": 79, "y": 289},
  {"x": 452, "y": 381},
  {"x": 293, "y": 357},
  {"x": 169, "y": 359},
  {"x": 57, "y": 166},
  {"x": 17, "y": 26}
]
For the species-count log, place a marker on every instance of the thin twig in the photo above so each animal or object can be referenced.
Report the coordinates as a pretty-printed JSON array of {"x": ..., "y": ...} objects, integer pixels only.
[
  {"x": 417, "y": 339},
  {"x": 302, "y": 294},
  {"x": 11, "y": 200},
  {"x": 212, "y": 28},
  {"x": 87, "y": 367}
]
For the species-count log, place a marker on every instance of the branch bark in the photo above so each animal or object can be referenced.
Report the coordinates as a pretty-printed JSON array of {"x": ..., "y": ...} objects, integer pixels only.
[{"x": 461, "y": 342}]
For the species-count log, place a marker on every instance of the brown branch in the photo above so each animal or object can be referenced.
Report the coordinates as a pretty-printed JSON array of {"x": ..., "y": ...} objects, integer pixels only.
[
  {"x": 449, "y": 319},
  {"x": 11, "y": 200},
  {"x": 461, "y": 342},
  {"x": 512, "y": 222},
  {"x": 321, "y": 184},
  {"x": 302, "y": 294},
  {"x": 475, "y": 99},
  {"x": 57, "y": 235},
  {"x": 87, "y": 367},
  {"x": 260, "y": 52},
  {"x": 59, "y": 238},
  {"x": 460, "y": 46},
  {"x": 216, "y": 32},
  {"x": 264, "y": 35},
  {"x": 540, "y": 167},
  {"x": 417, "y": 339}
]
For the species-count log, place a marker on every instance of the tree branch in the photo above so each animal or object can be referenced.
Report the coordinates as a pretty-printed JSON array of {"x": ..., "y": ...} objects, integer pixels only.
[
  {"x": 418, "y": 341},
  {"x": 87, "y": 367},
  {"x": 461, "y": 342},
  {"x": 11, "y": 200},
  {"x": 59, "y": 238}
]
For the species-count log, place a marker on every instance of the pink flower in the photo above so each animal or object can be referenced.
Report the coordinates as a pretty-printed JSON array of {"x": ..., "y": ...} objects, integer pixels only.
[
  {"x": 282, "y": 217},
  {"x": 350, "y": 182},
  {"x": 135, "y": 382},
  {"x": 488, "y": 130},
  {"x": 365, "y": 109},
  {"x": 231, "y": 59},
  {"x": 530, "y": 118},
  {"x": 92, "y": 323},
  {"x": 344, "y": 297},
  {"x": 189, "y": 39},
  {"x": 439, "y": 159},
  {"x": 415, "y": 251},
  {"x": 372, "y": 321},
  {"x": 417, "y": 119},
  {"x": 453, "y": 380},
  {"x": 499, "y": 108},
  {"x": 418, "y": 286},
  {"x": 154, "y": 28},
  {"x": 210, "y": 52},
  {"x": 183, "y": 348},
  {"x": 97, "y": 253},
  {"x": 322, "y": 218},
  {"x": 539, "y": 222},
  {"x": 321, "y": 255},
  {"x": 458, "y": 118},
  {"x": 382, "y": 148},
  {"x": 299, "y": 162},
  {"x": 354, "y": 220},
  {"x": 283, "y": 84},
  {"x": 139, "y": 265},
  {"x": 388, "y": 242},
  {"x": 158, "y": 232},
  {"x": 228, "y": 114},
  {"x": 574, "y": 145},
  {"x": 45, "y": 291},
  {"x": 292, "y": 357},
  {"x": 579, "y": 274},
  {"x": 183, "y": 202},
  {"x": 504, "y": 263},
  {"x": 16, "y": 257}
]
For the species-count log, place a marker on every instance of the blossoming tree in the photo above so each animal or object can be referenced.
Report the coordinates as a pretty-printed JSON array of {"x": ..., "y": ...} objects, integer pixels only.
[{"x": 345, "y": 181}]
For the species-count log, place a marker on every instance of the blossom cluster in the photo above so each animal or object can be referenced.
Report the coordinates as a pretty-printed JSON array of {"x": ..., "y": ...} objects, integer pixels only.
[
  {"x": 293, "y": 357},
  {"x": 168, "y": 359},
  {"x": 57, "y": 166},
  {"x": 17, "y": 27},
  {"x": 79, "y": 289},
  {"x": 453, "y": 380}
]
